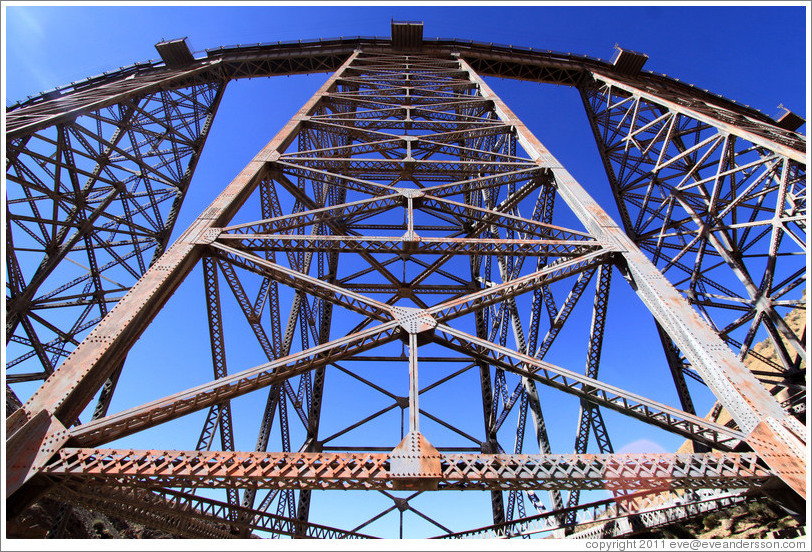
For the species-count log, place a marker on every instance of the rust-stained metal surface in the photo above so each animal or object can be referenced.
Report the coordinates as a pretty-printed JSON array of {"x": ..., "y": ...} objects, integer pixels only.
[
  {"x": 408, "y": 197},
  {"x": 386, "y": 470}
]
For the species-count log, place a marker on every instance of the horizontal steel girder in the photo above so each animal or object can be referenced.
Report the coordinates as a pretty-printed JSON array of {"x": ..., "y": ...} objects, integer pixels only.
[
  {"x": 372, "y": 470},
  {"x": 325, "y": 56}
]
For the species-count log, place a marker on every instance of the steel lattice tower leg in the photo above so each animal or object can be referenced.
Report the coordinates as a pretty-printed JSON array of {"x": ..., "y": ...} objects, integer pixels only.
[{"x": 406, "y": 219}]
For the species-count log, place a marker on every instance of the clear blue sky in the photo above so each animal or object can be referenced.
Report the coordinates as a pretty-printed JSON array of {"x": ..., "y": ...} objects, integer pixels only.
[{"x": 755, "y": 55}]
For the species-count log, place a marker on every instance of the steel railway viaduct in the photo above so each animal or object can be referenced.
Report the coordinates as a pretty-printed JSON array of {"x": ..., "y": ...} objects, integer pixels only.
[{"x": 403, "y": 218}]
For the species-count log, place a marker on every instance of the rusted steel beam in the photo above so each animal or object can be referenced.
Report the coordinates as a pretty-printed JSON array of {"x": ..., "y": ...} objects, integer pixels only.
[
  {"x": 345, "y": 213},
  {"x": 215, "y": 469},
  {"x": 421, "y": 246}
]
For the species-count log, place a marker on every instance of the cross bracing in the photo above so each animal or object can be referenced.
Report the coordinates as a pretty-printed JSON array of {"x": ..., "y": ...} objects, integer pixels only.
[{"x": 405, "y": 216}]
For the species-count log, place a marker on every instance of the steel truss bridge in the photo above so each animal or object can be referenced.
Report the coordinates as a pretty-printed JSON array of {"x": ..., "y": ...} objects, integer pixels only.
[{"x": 403, "y": 219}]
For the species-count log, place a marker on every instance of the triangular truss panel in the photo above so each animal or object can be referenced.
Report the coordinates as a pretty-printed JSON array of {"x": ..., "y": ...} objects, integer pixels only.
[{"x": 404, "y": 259}]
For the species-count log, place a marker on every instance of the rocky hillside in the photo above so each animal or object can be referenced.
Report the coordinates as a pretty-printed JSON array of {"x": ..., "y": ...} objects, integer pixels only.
[{"x": 755, "y": 520}]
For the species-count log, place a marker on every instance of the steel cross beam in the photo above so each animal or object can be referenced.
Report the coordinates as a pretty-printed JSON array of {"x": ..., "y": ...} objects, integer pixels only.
[{"x": 217, "y": 469}]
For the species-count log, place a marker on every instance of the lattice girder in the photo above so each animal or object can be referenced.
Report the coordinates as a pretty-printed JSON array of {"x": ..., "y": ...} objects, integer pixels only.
[{"x": 218, "y": 469}]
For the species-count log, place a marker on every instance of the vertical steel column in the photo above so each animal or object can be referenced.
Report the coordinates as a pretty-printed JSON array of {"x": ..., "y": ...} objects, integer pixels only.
[
  {"x": 414, "y": 387},
  {"x": 589, "y": 416}
]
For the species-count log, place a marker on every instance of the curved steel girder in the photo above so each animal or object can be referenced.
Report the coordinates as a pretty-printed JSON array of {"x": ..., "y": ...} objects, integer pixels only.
[{"x": 325, "y": 56}]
